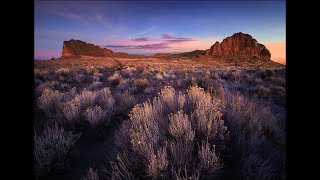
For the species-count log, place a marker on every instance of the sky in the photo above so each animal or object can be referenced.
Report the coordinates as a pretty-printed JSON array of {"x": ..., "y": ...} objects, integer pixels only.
[{"x": 148, "y": 27}]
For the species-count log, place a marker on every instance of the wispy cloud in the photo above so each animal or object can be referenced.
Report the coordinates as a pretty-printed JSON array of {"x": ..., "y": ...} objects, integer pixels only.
[
  {"x": 150, "y": 43},
  {"x": 54, "y": 34},
  {"x": 167, "y": 36},
  {"x": 97, "y": 17},
  {"x": 70, "y": 15},
  {"x": 149, "y": 29},
  {"x": 146, "y": 46},
  {"x": 180, "y": 40},
  {"x": 141, "y": 39}
]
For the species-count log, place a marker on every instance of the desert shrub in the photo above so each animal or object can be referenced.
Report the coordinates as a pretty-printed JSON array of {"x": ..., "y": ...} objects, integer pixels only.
[
  {"x": 146, "y": 73},
  {"x": 261, "y": 92},
  {"x": 126, "y": 101},
  {"x": 254, "y": 130},
  {"x": 247, "y": 78},
  {"x": 214, "y": 75},
  {"x": 90, "y": 69},
  {"x": 278, "y": 91},
  {"x": 180, "y": 126},
  {"x": 207, "y": 114},
  {"x": 180, "y": 84},
  {"x": 79, "y": 78},
  {"x": 49, "y": 101},
  {"x": 255, "y": 167},
  {"x": 178, "y": 174},
  {"x": 47, "y": 84},
  {"x": 90, "y": 175},
  {"x": 128, "y": 72},
  {"x": 122, "y": 136},
  {"x": 209, "y": 160},
  {"x": 269, "y": 72},
  {"x": 95, "y": 85},
  {"x": 87, "y": 98},
  {"x": 72, "y": 110},
  {"x": 37, "y": 82},
  {"x": 278, "y": 94},
  {"x": 158, "y": 162},
  {"x": 40, "y": 73},
  {"x": 217, "y": 90},
  {"x": 96, "y": 107},
  {"x": 105, "y": 99},
  {"x": 279, "y": 81},
  {"x": 97, "y": 74},
  {"x": 62, "y": 71},
  {"x": 103, "y": 110},
  {"x": 265, "y": 73},
  {"x": 64, "y": 87},
  {"x": 124, "y": 84},
  {"x": 228, "y": 76},
  {"x": 254, "y": 80},
  {"x": 249, "y": 122},
  {"x": 162, "y": 140},
  {"x": 69, "y": 95},
  {"x": 150, "y": 90},
  {"x": 169, "y": 98},
  {"x": 139, "y": 70},
  {"x": 169, "y": 74},
  {"x": 159, "y": 76},
  {"x": 95, "y": 116},
  {"x": 115, "y": 78},
  {"x": 141, "y": 84},
  {"x": 95, "y": 78},
  {"x": 51, "y": 149},
  {"x": 123, "y": 167}
]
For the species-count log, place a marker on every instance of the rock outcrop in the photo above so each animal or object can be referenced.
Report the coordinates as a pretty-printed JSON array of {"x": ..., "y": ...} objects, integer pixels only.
[
  {"x": 240, "y": 45},
  {"x": 77, "y": 48}
]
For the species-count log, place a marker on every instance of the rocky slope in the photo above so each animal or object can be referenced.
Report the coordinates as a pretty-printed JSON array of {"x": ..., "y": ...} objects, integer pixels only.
[
  {"x": 240, "y": 45},
  {"x": 77, "y": 48}
]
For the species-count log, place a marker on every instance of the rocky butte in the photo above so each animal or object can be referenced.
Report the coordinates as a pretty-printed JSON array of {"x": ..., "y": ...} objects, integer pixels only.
[{"x": 240, "y": 45}]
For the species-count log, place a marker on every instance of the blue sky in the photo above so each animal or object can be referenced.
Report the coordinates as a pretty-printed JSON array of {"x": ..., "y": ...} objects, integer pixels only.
[{"x": 146, "y": 27}]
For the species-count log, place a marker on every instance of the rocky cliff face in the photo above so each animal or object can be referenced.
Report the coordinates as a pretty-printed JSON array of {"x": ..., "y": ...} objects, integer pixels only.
[
  {"x": 241, "y": 45},
  {"x": 77, "y": 48}
]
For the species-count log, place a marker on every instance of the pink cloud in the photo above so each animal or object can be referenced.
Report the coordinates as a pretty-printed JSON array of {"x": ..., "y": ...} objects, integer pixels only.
[
  {"x": 141, "y": 39},
  {"x": 167, "y": 36},
  {"x": 163, "y": 43},
  {"x": 145, "y": 46}
]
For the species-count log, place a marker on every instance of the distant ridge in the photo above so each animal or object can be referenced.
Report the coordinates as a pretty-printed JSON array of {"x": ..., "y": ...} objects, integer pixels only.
[{"x": 239, "y": 46}]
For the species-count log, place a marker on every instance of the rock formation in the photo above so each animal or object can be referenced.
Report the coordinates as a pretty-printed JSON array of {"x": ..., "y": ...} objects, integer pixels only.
[
  {"x": 240, "y": 45},
  {"x": 77, "y": 48}
]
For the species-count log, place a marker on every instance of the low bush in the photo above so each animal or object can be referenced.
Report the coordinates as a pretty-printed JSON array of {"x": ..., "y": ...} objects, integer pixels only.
[
  {"x": 254, "y": 130},
  {"x": 161, "y": 140},
  {"x": 50, "y": 101},
  {"x": 95, "y": 116},
  {"x": 52, "y": 147},
  {"x": 90, "y": 175}
]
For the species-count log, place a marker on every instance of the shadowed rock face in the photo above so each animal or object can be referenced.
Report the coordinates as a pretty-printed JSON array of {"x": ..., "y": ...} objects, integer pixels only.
[
  {"x": 241, "y": 45},
  {"x": 77, "y": 48}
]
